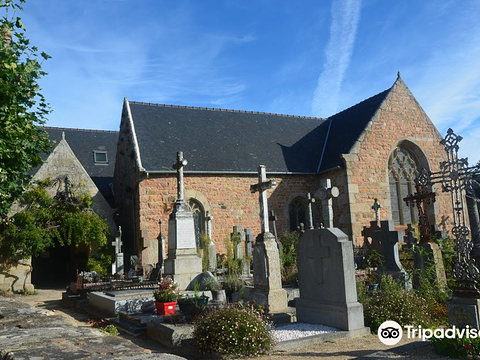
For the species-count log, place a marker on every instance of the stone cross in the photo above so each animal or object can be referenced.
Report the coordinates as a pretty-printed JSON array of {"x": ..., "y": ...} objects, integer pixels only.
[
  {"x": 315, "y": 255},
  {"x": 310, "y": 200},
  {"x": 208, "y": 219},
  {"x": 248, "y": 242},
  {"x": 181, "y": 162},
  {"x": 273, "y": 218},
  {"x": 421, "y": 198},
  {"x": 326, "y": 193},
  {"x": 262, "y": 187},
  {"x": 161, "y": 248},
  {"x": 118, "y": 241},
  {"x": 376, "y": 207}
]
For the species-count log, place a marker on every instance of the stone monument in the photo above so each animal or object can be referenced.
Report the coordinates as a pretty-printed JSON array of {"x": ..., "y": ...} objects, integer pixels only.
[
  {"x": 326, "y": 193},
  {"x": 118, "y": 267},
  {"x": 183, "y": 263},
  {"x": 266, "y": 260},
  {"x": 212, "y": 250},
  {"x": 326, "y": 273}
]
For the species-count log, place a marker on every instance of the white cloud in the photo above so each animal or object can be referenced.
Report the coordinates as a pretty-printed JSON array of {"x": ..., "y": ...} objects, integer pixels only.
[{"x": 338, "y": 53}]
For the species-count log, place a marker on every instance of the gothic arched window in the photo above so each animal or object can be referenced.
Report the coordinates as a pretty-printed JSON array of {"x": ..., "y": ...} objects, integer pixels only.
[
  {"x": 402, "y": 171},
  {"x": 198, "y": 218},
  {"x": 297, "y": 212}
]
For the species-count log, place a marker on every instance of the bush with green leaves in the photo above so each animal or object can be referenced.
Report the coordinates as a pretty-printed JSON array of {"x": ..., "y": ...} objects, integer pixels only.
[
  {"x": 288, "y": 258},
  {"x": 457, "y": 347},
  {"x": 233, "y": 330},
  {"x": 406, "y": 307}
]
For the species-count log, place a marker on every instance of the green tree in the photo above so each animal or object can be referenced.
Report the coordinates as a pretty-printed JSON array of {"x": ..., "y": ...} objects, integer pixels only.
[{"x": 23, "y": 108}]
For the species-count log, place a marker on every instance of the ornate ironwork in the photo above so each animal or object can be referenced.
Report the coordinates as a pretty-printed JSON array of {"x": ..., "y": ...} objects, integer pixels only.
[
  {"x": 421, "y": 198},
  {"x": 454, "y": 176}
]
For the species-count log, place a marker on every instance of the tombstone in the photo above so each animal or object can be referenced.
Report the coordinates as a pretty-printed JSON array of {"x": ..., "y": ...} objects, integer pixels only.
[
  {"x": 267, "y": 280},
  {"x": 248, "y": 243},
  {"x": 326, "y": 273},
  {"x": 410, "y": 240},
  {"x": 239, "y": 250},
  {"x": 118, "y": 267},
  {"x": 273, "y": 218},
  {"x": 212, "y": 250},
  {"x": 367, "y": 233},
  {"x": 135, "y": 267},
  {"x": 310, "y": 201},
  {"x": 183, "y": 263},
  {"x": 326, "y": 193},
  {"x": 389, "y": 239},
  {"x": 376, "y": 208},
  {"x": 156, "y": 273}
]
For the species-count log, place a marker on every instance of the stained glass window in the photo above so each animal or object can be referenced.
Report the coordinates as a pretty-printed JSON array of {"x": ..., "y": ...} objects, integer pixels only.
[{"x": 402, "y": 171}]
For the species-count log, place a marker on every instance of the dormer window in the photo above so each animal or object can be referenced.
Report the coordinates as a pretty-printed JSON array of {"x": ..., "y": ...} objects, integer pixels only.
[{"x": 100, "y": 157}]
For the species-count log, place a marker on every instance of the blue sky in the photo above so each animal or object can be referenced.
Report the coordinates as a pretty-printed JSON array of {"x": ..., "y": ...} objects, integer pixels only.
[{"x": 303, "y": 58}]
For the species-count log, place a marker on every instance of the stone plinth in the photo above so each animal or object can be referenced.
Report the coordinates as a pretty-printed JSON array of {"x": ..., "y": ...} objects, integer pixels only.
[
  {"x": 463, "y": 312},
  {"x": 328, "y": 293},
  {"x": 183, "y": 263},
  {"x": 266, "y": 274},
  {"x": 429, "y": 254}
]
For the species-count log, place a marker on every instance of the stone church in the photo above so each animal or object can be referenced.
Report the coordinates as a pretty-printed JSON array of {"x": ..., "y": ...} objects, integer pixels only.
[{"x": 371, "y": 150}]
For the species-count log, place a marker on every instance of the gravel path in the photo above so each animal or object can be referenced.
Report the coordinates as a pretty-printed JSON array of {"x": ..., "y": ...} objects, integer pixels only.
[{"x": 299, "y": 330}]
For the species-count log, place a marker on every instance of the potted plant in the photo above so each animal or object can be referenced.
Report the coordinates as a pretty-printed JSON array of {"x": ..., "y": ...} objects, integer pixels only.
[
  {"x": 166, "y": 297},
  {"x": 218, "y": 294},
  {"x": 233, "y": 285}
]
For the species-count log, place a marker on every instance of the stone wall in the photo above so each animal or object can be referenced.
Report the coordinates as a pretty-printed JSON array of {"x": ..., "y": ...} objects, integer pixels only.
[
  {"x": 17, "y": 278},
  {"x": 400, "y": 120}
]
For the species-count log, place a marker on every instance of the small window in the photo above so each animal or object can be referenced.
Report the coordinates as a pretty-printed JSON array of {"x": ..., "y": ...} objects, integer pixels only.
[{"x": 100, "y": 157}]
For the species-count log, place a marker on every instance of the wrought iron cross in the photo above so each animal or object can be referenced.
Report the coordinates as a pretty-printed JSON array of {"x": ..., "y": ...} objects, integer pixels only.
[
  {"x": 181, "y": 162},
  {"x": 454, "y": 176},
  {"x": 262, "y": 187},
  {"x": 421, "y": 198}
]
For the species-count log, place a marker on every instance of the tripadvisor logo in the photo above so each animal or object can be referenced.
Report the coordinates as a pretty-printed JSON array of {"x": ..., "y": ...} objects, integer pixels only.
[{"x": 390, "y": 333}]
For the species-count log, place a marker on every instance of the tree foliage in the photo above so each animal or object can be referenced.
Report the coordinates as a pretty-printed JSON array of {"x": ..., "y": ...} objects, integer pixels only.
[
  {"x": 23, "y": 108},
  {"x": 47, "y": 221}
]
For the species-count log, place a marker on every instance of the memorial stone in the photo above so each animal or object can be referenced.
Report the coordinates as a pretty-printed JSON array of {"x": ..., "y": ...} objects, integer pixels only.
[
  {"x": 267, "y": 280},
  {"x": 118, "y": 267},
  {"x": 326, "y": 272},
  {"x": 183, "y": 263},
  {"x": 212, "y": 250}
]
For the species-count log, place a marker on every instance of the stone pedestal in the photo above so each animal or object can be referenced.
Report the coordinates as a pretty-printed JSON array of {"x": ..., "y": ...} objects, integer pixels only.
[
  {"x": 429, "y": 254},
  {"x": 463, "y": 312},
  {"x": 266, "y": 274},
  {"x": 328, "y": 292},
  {"x": 183, "y": 263}
]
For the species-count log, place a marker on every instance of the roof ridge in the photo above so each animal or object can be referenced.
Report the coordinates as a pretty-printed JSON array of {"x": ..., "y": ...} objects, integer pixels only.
[
  {"x": 367, "y": 99},
  {"x": 77, "y": 129},
  {"x": 225, "y": 110}
]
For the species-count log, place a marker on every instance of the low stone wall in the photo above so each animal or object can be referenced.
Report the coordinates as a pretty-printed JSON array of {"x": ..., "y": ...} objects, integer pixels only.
[{"x": 16, "y": 278}]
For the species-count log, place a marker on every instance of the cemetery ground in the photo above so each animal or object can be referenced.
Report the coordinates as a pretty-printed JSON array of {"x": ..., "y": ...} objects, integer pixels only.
[{"x": 37, "y": 326}]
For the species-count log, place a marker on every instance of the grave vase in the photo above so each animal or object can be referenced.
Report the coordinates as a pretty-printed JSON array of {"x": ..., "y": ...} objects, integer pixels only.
[{"x": 165, "y": 308}]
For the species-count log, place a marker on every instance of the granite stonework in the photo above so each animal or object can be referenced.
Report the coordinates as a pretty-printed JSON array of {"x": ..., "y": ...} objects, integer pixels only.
[
  {"x": 267, "y": 279},
  {"x": 328, "y": 293},
  {"x": 463, "y": 311},
  {"x": 429, "y": 254}
]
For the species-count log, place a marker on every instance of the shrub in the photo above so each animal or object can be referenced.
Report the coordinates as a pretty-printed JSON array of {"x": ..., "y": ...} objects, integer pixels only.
[
  {"x": 205, "y": 240},
  {"x": 457, "y": 347},
  {"x": 288, "y": 258},
  {"x": 391, "y": 302},
  {"x": 110, "y": 330},
  {"x": 233, "y": 330},
  {"x": 232, "y": 283}
]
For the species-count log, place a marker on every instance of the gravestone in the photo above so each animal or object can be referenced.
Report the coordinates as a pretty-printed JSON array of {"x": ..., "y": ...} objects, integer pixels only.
[
  {"x": 267, "y": 280},
  {"x": 389, "y": 239},
  {"x": 328, "y": 293},
  {"x": 212, "y": 250},
  {"x": 248, "y": 243},
  {"x": 183, "y": 263},
  {"x": 326, "y": 193},
  {"x": 410, "y": 240},
  {"x": 118, "y": 267},
  {"x": 156, "y": 273},
  {"x": 376, "y": 208}
]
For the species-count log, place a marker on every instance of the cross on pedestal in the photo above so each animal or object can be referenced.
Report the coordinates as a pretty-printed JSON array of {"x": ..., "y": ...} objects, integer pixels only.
[
  {"x": 310, "y": 200},
  {"x": 262, "y": 187},
  {"x": 326, "y": 193},
  {"x": 376, "y": 208},
  {"x": 208, "y": 219},
  {"x": 181, "y": 162},
  {"x": 421, "y": 198},
  {"x": 315, "y": 254},
  {"x": 118, "y": 241}
]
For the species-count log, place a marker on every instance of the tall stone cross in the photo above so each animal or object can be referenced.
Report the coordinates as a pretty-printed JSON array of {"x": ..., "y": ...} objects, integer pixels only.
[
  {"x": 181, "y": 162},
  {"x": 326, "y": 193},
  {"x": 118, "y": 241},
  {"x": 262, "y": 187},
  {"x": 310, "y": 200},
  {"x": 376, "y": 208},
  {"x": 421, "y": 198},
  {"x": 208, "y": 219}
]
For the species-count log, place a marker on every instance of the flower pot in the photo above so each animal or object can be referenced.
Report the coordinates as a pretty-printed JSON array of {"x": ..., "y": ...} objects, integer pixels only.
[
  {"x": 165, "y": 308},
  {"x": 219, "y": 296},
  {"x": 202, "y": 301}
]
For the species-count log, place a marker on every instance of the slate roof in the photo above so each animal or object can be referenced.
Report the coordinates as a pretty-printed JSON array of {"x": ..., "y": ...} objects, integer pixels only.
[
  {"x": 83, "y": 143},
  {"x": 219, "y": 140}
]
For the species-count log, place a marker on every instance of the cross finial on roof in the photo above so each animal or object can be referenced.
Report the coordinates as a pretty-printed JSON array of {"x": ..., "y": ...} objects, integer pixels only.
[
  {"x": 63, "y": 135},
  {"x": 398, "y": 75}
]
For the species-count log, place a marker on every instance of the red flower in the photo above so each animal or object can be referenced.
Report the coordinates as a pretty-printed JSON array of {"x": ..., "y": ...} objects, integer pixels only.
[{"x": 469, "y": 347}]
